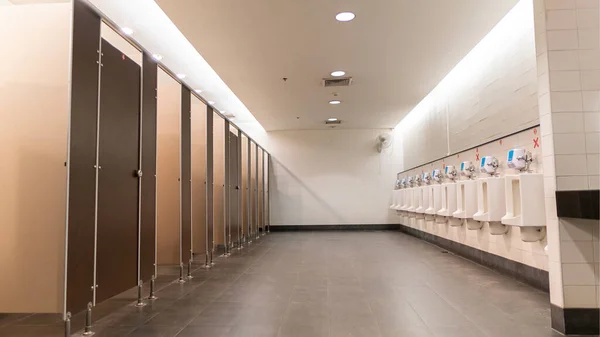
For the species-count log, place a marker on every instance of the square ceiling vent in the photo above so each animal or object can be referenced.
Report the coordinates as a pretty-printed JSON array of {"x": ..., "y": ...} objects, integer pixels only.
[{"x": 337, "y": 82}]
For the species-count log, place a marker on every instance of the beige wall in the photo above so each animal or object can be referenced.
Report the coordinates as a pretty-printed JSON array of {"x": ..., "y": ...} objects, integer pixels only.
[
  {"x": 219, "y": 179},
  {"x": 198, "y": 176},
  {"x": 33, "y": 146},
  {"x": 168, "y": 169}
]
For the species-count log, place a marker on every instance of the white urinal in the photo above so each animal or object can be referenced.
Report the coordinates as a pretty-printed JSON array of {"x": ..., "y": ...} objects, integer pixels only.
[
  {"x": 434, "y": 192},
  {"x": 525, "y": 208},
  {"x": 399, "y": 196},
  {"x": 414, "y": 201},
  {"x": 423, "y": 201},
  {"x": 394, "y": 200},
  {"x": 448, "y": 195},
  {"x": 466, "y": 203},
  {"x": 491, "y": 204},
  {"x": 406, "y": 199}
]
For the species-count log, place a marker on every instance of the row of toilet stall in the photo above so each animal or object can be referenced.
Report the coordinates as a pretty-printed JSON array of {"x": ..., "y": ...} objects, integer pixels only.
[
  {"x": 463, "y": 197},
  {"x": 113, "y": 169}
]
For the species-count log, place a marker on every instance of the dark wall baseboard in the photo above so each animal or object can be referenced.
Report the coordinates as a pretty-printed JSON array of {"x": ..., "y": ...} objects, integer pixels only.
[
  {"x": 575, "y": 321},
  {"x": 311, "y": 228},
  {"x": 537, "y": 278}
]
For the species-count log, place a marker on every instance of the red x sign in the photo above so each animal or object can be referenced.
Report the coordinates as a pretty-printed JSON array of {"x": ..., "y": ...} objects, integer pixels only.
[{"x": 536, "y": 142}]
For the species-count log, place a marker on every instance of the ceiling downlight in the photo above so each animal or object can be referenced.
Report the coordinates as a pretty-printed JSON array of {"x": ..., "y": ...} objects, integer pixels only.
[{"x": 345, "y": 16}]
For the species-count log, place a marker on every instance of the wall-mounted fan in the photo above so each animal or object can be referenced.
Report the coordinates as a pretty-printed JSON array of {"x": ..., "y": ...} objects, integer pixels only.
[{"x": 384, "y": 141}]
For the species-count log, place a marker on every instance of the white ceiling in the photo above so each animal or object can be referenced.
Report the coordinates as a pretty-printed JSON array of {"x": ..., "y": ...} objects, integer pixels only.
[{"x": 396, "y": 51}]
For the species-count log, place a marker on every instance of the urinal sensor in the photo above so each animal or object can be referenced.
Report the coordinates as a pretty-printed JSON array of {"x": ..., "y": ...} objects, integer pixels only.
[
  {"x": 467, "y": 169},
  {"x": 437, "y": 176},
  {"x": 519, "y": 159},
  {"x": 427, "y": 178},
  {"x": 397, "y": 184},
  {"x": 451, "y": 172},
  {"x": 489, "y": 165}
]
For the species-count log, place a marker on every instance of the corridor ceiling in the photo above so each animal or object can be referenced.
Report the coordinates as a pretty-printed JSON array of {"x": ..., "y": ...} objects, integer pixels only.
[{"x": 396, "y": 51}]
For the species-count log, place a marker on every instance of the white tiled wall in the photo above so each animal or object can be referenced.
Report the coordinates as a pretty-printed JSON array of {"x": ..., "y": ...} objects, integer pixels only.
[
  {"x": 509, "y": 245},
  {"x": 568, "y": 62},
  {"x": 580, "y": 262}
]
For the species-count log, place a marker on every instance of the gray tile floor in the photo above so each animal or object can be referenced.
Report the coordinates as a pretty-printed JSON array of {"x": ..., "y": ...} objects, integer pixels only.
[{"x": 312, "y": 284}]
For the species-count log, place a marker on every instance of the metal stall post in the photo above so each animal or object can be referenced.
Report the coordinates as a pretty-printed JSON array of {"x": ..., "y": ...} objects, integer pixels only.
[
  {"x": 68, "y": 324},
  {"x": 87, "y": 330},
  {"x": 152, "y": 296},
  {"x": 227, "y": 217},
  {"x": 209, "y": 186},
  {"x": 138, "y": 174},
  {"x": 140, "y": 300}
]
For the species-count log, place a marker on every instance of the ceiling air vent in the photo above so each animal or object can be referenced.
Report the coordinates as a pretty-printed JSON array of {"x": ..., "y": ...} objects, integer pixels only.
[{"x": 337, "y": 82}]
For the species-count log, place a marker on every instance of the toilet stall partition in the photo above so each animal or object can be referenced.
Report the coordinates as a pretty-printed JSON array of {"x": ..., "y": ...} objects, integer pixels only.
[
  {"x": 260, "y": 183},
  {"x": 244, "y": 208},
  {"x": 147, "y": 231},
  {"x": 233, "y": 170},
  {"x": 227, "y": 189},
  {"x": 249, "y": 193},
  {"x": 267, "y": 192},
  {"x": 240, "y": 189},
  {"x": 255, "y": 191},
  {"x": 186, "y": 181},
  {"x": 209, "y": 187}
]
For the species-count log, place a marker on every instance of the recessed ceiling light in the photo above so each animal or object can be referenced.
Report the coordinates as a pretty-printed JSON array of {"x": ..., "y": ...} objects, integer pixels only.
[
  {"x": 157, "y": 57},
  {"x": 332, "y": 119},
  {"x": 211, "y": 102},
  {"x": 127, "y": 30},
  {"x": 345, "y": 16},
  {"x": 338, "y": 73},
  {"x": 181, "y": 76},
  {"x": 335, "y": 101},
  {"x": 198, "y": 91}
]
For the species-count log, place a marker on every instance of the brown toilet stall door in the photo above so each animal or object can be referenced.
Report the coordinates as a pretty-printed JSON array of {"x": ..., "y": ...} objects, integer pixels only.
[
  {"x": 117, "y": 180},
  {"x": 234, "y": 189}
]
